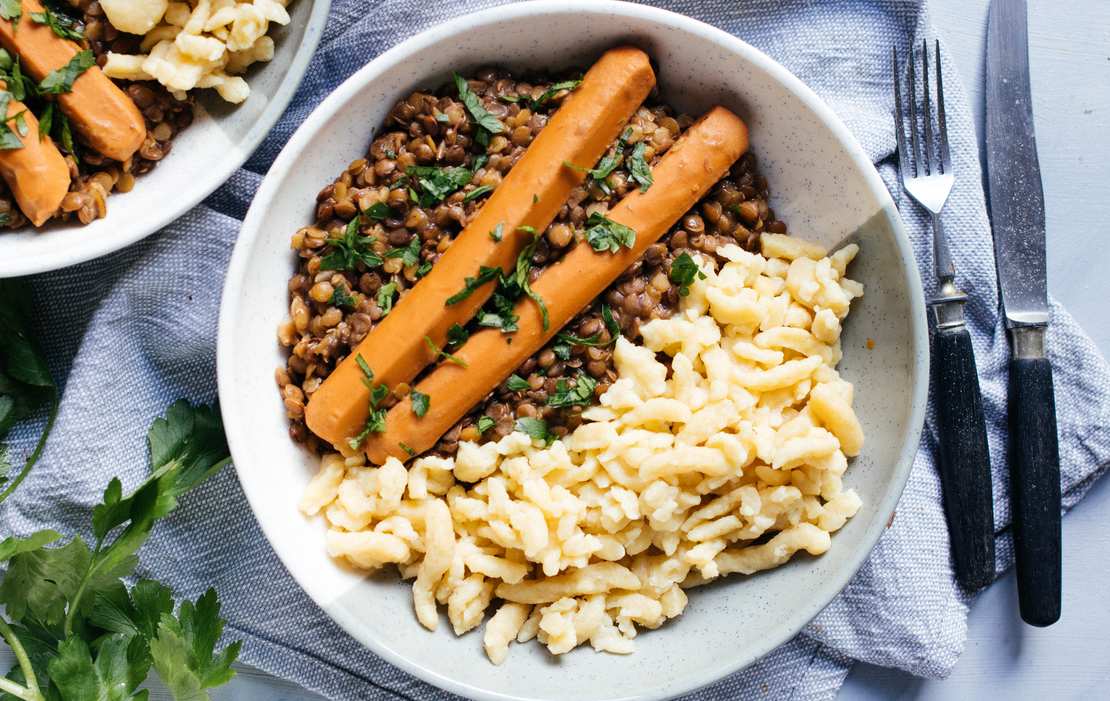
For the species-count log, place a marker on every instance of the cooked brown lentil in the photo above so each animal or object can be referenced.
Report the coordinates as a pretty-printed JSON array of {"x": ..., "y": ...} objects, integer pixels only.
[
  {"x": 92, "y": 176},
  {"x": 434, "y": 128}
]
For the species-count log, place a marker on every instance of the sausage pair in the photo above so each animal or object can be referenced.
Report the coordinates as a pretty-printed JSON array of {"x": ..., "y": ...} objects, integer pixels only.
[
  {"x": 531, "y": 194},
  {"x": 102, "y": 115}
]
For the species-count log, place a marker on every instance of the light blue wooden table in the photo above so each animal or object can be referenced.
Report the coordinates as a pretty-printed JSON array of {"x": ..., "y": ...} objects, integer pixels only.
[{"x": 1070, "y": 52}]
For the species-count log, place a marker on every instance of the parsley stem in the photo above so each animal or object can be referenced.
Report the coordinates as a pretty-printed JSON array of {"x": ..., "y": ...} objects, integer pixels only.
[
  {"x": 33, "y": 458},
  {"x": 31, "y": 691}
]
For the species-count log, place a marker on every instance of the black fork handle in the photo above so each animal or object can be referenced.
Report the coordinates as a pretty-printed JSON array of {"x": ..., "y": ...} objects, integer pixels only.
[{"x": 965, "y": 469}]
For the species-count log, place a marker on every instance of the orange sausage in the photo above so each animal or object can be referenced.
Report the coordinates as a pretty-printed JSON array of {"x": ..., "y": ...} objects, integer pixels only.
[
  {"x": 36, "y": 174},
  {"x": 102, "y": 114},
  {"x": 684, "y": 175},
  {"x": 530, "y": 195}
]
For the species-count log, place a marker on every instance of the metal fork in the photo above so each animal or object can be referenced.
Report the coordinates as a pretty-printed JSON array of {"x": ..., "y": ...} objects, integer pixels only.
[{"x": 925, "y": 166}]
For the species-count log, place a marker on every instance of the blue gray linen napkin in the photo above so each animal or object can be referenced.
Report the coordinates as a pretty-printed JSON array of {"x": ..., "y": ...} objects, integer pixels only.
[{"x": 137, "y": 329}]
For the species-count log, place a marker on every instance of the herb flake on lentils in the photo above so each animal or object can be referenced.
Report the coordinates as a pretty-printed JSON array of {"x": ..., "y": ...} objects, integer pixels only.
[{"x": 318, "y": 335}]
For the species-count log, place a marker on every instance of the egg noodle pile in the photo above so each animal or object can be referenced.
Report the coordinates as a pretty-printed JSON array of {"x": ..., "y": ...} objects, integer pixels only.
[{"x": 729, "y": 462}]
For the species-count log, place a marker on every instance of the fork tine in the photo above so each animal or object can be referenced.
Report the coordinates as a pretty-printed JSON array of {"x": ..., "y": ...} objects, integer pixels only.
[
  {"x": 912, "y": 100},
  {"x": 927, "y": 145},
  {"x": 945, "y": 157},
  {"x": 904, "y": 157}
]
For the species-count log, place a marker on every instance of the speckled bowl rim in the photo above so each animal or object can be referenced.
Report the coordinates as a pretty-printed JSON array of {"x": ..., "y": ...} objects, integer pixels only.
[
  {"x": 239, "y": 441},
  {"x": 214, "y": 175}
]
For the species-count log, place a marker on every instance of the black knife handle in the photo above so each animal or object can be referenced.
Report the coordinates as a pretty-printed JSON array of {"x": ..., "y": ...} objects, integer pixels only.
[
  {"x": 965, "y": 469},
  {"x": 1035, "y": 489}
]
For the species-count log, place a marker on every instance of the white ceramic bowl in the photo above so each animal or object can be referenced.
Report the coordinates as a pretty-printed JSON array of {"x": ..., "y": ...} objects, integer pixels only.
[
  {"x": 204, "y": 156},
  {"x": 822, "y": 184}
]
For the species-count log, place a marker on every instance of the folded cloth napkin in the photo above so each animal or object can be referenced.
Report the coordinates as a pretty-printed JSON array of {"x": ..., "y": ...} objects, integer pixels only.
[{"x": 137, "y": 329}]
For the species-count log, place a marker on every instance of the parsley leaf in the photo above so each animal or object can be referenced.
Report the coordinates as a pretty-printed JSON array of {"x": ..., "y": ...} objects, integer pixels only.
[
  {"x": 536, "y": 429},
  {"x": 521, "y": 278},
  {"x": 457, "y": 335},
  {"x": 516, "y": 383},
  {"x": 424, "y": 269},
  {"x": 440, "y": 353},
  {"x": 341, "y": 297},
  {"x": 554, "y": 90},
  {"x": 420, "y": 403},
  {"x": 610, "y": 323},
  {"x": 561, "y": 351},
  {"x": 472, "y": 283},
  {"x": 367, "y": 373},
  {"x": 379, "y": 211},
  {"x": 121, "y": 664},
  {"x": 12, "y": 546},
  {"x": 604, "y": 234},
  {"x": 485, "y": 423},
  {"x": 409, "y": 253},
  {"x": 498, "y": 232},
  {"x": 437, "y": 183},
  {"x": 351, "y": 249},
  {"x": 25, "y": 381},
  {"x": 473, "y": 103},
  {"x": 502, "y": 316},
  {"x": 61, "y": 80},
  {"x": 580, "y": 393},
  {"x": 612, "y": 159},
  {"x": 11, "y": 10},
  {"x": 184, "y": 649},
  {"x": 385, "y": 297},
  {"x": 639, "y": 168},
  {"x": 683, "y": 271},
  {"x": 477, "y": 192},
  {"x": 62, "y": 24}
]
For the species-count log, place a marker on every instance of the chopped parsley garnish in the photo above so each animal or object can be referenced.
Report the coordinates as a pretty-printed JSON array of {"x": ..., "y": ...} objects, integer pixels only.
[
  {"x": 63, "y": 25},
  {"x": 375, "y": 422},
  {"x": 477, "y": 192},
  {"x": 441, "y": 117},
  {"x": 561, "y": 351},
  {"x": 575, "y": 166},
  {"x": 440, "y": 353},
  {"x": 578, "y": 394},
  {"x": 350, "y": 250},
  {"x": 424, "y": 269},
  {"x": 604, "y": 234},
  {"x": 684, "y": 270},
  {"x": 525, "y": 229},
  {"x": 437, "y": 183},
  {"x": 516, "y": 383},
  {"x": 11, "y": 10},
  {"x": 409, "y": 253},
  {"x": 9, "y": 139},
  {"x": 521, "y": 275},
  {"x": 61, "y": 80},
  {"x": 639, "y": 168},
  {"x": 379, "y": 211},
  {"x": 536, "y": 429},
  {"x": 11, "y": 70},
  {"x": 611, "y": 160},
  {"x": 367, "y": 373},
  {"x": 485, "y": 423},
  {"x": 593, "y": 340},
  {"x": 341, "y": 297},
  {"x": 385, "y": 297},
  {"x": 472, "y": 283},
  {"x": 502, "y": 316},
  {"x": 457, "y": 335},
  {"x": 554, "y": 90},
  {"x": 498, "y": 232},
  {"x": 610, "y": 323},
  {"x": 408, "y": 451},
  {"x": 420, "y": 403},
  {"x": 473, "y": 104}
]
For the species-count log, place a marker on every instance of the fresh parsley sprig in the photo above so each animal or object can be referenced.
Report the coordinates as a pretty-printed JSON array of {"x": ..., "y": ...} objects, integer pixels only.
[
  {"x": 25, "y": 382},
  {"x": 61, "y": 80},
  {"x": 62, "y": 24},
  {"x": 75, "y": 628}
]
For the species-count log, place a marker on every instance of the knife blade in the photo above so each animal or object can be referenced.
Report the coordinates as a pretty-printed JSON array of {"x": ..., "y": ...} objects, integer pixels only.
[
  {"x": 1016, "y": 194},
  {"x": 1017, "y": 216}
]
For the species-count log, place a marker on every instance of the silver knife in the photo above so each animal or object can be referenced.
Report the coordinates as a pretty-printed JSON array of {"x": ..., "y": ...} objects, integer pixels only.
[{"x": 1017, "y": 217}]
